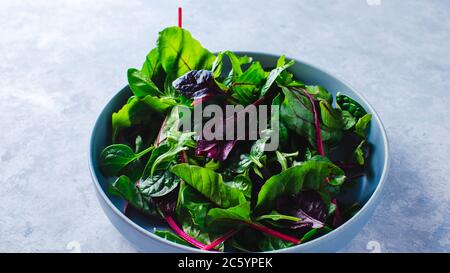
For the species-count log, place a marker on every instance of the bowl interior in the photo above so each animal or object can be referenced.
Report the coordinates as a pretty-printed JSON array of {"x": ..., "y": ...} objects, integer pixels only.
[{"x": 362, "y": 190}]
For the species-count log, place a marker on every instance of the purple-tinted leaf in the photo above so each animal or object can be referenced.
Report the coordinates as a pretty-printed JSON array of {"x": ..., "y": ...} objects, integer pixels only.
[
  {"x": 217, "y": 149},
  {"x": 197, "y": 84},
  {"x": 306, "y": 205}
]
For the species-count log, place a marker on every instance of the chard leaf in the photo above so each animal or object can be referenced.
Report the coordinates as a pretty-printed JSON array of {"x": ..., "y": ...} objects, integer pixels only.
[
  {"x": 210, "y": 184},
  {"x": 246, "y": 87},
  {"x": 331, "y": 117},
  {"x": 307, "y": 205},
  {"x": 217, "y": 65},
  {"x": 361, "y": 125},
  {"x": 276, "y": 216},
  {"x": 217, "y": 216},
  {"x": 115, "y": 157},
  {"x": 297, "y": 114},
  {"x": 274, "y": 74},
  {"x": 169, "y": 235},
  {"x": 311, "y": 174},
  {"x": 152, "y": 64},
  {"x": 141, "y": 85},
  {"x": 138, "y": 110},
  {"x": 179, "y": 52}
]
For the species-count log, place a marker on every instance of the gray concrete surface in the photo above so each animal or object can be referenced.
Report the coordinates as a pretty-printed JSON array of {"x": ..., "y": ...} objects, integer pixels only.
[{"x": 61, "y": 61}]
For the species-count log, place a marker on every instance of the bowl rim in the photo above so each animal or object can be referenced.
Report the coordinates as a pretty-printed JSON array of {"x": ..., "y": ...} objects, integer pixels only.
[{"x": 298, "y": 248}]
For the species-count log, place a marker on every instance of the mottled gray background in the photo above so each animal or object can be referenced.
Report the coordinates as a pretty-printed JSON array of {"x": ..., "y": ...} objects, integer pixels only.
[{"x": 61, "y": 61}]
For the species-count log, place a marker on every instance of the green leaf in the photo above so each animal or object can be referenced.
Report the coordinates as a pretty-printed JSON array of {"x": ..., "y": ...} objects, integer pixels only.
[
  {"x": 141, "y": 85},
  {"x": 210, "y": 184},
  {"x": 115, "y": 157},
  {"x": 332, "y": 118},
  {"x": 242, "y": 183},
  {"x": 236, "y": 66},
  {"x": 179, "y": 52},
  {"x": 361, "y": 125},
  {"x": 196, "y": 205},
  {"x": 126, "y": 189},
  {"x": 274, "y": 74},
  {"x": 319, "y": 93},
  {"x": 359, "y": 153},
  {"x": 348, "y": 120},
  {"x": 219, "y": 216},
  {"x": 152, "y": 64},
  {"x": 160, "y": 184},
  {"x": 256, "y": 153},
  {"x": 138, "y": 110},
  {"x": 311, "y": 174},
  {"x": 275, "y": 216},
  {"x": 177, "y": 142},
  {"x": 346, "y": 103},
  {"x": 169, "y": 235},
  {"x": 246, "y": 86},
  {"x": 217, "y": 65},
  {"x": 270, "y": 243},
  {"x": 297, "y": 114}
]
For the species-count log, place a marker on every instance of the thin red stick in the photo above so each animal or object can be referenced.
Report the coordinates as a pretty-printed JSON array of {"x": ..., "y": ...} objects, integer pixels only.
[
  {"x": 220, "y": 240},
  {"x": 275, "y": 233},
  {"x": 180, "y": 17},
  {"x": 183, "y": 234}
]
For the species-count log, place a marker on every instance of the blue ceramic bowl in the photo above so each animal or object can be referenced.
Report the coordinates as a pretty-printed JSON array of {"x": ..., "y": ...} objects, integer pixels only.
[{"x": 138, "y": 230}]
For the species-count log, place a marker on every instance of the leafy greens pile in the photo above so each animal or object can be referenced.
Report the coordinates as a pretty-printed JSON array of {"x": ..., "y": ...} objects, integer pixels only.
[{"x": 231, "y": 194}]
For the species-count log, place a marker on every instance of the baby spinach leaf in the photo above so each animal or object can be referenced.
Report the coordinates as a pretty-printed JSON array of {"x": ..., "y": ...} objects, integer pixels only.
[
  {"x": 210, "y": 184},
  {"x": 348, "y": 104},
  {"x": 115, "y": 157},
  {"x": 348, "y": 120},
  {"x": 311, "y": 174},
  {"x": 159, "y": 184},
  {"x": 180, "y": 53},
  {"x": 246, "y": 87},
  {"x": 274, "y": 74},
  {"x": 196, "y": 205},
  {"x": 361, "y": 125},
  {"x": 126, "y": 189}
]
